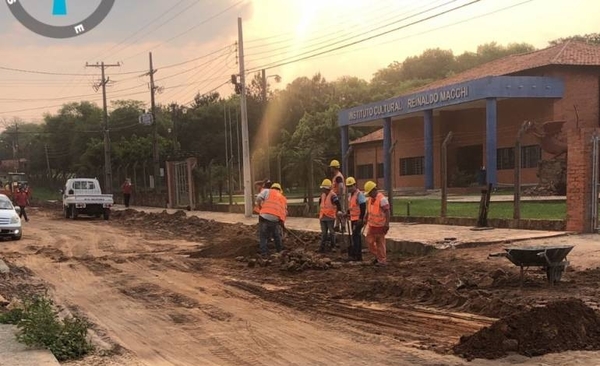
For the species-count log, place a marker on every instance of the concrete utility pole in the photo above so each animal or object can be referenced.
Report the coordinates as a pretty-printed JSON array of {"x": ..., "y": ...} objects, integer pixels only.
[
  {"x": 174, "y": 116},
  {"x": 107, "y": 165},
  {"x": 266, "y": 123},
  {"x": 47, "y": 160},
  {"x": 245, "y": 138},
  {"x": 17, "y": 152},
  {"x": 155, "y": 156}
]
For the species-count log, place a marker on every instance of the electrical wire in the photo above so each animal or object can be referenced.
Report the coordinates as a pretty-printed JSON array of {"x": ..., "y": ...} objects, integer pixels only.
[{"x": 294, "y": 59}]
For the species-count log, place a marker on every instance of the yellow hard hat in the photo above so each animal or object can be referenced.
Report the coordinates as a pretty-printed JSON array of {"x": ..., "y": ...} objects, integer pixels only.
[
  {"x": 334, "y": 164},
  {"x": 326, "y": 183},
  {"x": 369, "y": 186},
  {"x": 350, "y": 181},
  {"x": 276, "y": 186}
]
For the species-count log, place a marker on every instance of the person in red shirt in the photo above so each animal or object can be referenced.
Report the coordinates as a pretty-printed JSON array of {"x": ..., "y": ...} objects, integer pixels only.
[
  {"x": 127, "y": 188},
  {"x": 22, "y": 200}
]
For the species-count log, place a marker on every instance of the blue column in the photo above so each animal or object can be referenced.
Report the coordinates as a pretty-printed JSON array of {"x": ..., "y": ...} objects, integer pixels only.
[
  {"x": 428, "y": 133},
  {"x": 345, "y": 144},
  {"x": 387, "y": 159},
  {"x": 491, "y": 115}
]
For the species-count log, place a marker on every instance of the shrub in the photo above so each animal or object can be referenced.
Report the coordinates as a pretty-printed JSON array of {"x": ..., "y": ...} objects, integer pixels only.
[{"x": 40, "y": 326}]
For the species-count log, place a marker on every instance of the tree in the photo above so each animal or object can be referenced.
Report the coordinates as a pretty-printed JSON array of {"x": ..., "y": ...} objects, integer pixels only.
[{"x": 591, "y": 38}]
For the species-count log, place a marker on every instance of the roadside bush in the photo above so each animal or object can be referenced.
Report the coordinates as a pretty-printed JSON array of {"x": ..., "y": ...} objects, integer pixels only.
[
  {"x": 12, "y": 316},
  {"x": 40, "y": 326}
]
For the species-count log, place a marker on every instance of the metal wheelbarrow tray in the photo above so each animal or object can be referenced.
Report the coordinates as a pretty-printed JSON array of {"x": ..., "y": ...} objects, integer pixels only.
[{"x": 551, "y": 258}]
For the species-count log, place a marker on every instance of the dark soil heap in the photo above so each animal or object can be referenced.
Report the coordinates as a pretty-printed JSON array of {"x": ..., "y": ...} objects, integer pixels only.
[{"x": 560, "y": 326}]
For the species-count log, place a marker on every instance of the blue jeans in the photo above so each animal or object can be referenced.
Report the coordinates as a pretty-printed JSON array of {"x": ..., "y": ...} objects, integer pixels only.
[
  {"x": 268, "y": 229},
  {"x": 327, "y": 232},
  {"x": 356, "y": 251}
]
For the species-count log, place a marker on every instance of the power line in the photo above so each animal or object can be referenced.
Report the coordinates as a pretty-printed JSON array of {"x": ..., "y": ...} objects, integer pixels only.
[
  {"x": 424, "y": 32},
  {"x": 158, "y": 27},
  {"x": 290, "y": 60},
  {"x": 141, "y": 29},
  {"x": 189, "y": 29}
]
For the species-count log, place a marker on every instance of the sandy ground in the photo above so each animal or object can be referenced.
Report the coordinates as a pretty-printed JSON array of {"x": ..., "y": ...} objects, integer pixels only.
[{"x": 153, "y": 304}]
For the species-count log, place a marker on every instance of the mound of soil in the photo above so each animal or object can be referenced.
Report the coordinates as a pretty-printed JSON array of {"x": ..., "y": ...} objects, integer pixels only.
[{"x": 560, "y": 326}]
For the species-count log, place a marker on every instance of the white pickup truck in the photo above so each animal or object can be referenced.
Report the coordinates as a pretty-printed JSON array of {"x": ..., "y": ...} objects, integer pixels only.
[{"x": 83, "y": 196}]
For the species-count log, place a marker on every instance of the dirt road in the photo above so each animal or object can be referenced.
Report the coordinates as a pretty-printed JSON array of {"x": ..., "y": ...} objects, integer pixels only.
[{"x": 152, "y": 304}]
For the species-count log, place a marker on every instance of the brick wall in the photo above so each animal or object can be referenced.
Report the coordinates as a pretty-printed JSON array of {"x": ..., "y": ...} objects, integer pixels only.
[{"x": 579, "y": 179}]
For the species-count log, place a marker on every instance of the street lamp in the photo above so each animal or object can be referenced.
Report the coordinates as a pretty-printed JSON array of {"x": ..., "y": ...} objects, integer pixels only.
[{"x": 264, "y": 98}]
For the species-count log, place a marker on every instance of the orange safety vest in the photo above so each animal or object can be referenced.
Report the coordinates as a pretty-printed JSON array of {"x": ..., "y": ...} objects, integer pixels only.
[
  {"x": 327, "y": 207},
  {"x": 353, "y": 206},
  {"x": 376, "y": 215},
  {"x": 275, "y": 205},
  {"x": 335, "y": 187}
]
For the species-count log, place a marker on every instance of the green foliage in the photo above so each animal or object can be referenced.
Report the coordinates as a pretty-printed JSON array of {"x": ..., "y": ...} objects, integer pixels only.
[
  {"x": 12, "y": 316},
  {"x": 40, "y": 326},
  {"x": 591, "y": 38}
]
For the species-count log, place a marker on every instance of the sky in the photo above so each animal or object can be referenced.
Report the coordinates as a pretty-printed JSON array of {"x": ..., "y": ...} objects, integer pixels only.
[{"x": 193, "y": 43}]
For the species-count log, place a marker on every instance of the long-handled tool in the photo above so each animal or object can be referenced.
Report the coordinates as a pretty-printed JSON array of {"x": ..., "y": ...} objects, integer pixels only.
[{"x": 296, "y": 237}]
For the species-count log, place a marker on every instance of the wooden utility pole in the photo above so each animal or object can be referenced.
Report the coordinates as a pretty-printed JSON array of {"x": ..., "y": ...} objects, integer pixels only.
[
  {"x": 155, "y": 155},
  {"x": 107, "y": 162},
  {"x": 17, "y": 152},
  {"x": 174, "y": 120}
]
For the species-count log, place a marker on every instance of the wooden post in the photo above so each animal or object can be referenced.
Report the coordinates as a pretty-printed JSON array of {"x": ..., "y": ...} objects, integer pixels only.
[
  {"x": 517, "y": 182},
  {"x": 444, "y": 175}
]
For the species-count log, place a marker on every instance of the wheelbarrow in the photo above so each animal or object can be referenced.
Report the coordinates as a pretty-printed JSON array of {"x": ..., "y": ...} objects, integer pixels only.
[{"x": 552, "y": 259}]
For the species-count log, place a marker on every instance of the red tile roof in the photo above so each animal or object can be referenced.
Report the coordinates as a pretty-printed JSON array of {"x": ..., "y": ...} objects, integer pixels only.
[
  {"x": 567, "y": 53},
  {"x": 374, "y": 136}
]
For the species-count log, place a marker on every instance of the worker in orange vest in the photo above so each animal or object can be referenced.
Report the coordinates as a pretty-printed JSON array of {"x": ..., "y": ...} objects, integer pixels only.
[
  {"x": 330, "y": 209},
  {"x": 357, "y": 206},
  {"x": 337, "y": 180},
  {"x": 259, "y": 186},
  {"x": 273, "y": 213},
  {"x": 378, "y": 222}
]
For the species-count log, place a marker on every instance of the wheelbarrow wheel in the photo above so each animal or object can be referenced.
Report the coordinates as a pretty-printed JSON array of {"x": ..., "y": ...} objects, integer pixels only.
[{"x": 554, "y": 274}]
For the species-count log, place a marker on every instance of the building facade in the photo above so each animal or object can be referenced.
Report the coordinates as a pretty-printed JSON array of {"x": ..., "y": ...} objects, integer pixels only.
[{"x": 483, "y": 109}]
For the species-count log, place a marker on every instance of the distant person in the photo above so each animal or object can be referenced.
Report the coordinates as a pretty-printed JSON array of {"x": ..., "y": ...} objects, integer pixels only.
[
  {"x": 127, "y": 188},
  {"x": 329, "y": 210},
  {"x": 22, "y": 200},
  {"x": 273, "y": 213},
  {"x": 337, "y": 181},
  {"x": 357, "y": 206},
  {"x": 378, "y": 222}
]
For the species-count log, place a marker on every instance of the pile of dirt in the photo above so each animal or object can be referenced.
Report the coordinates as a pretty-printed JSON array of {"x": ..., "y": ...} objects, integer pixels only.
[
  {"x": 560, "y": 326},
  {"x": 297, "y": 260}
]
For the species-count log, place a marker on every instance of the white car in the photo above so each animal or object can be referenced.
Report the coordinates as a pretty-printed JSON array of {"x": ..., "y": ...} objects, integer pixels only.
[{"x": 10, "y": 223}]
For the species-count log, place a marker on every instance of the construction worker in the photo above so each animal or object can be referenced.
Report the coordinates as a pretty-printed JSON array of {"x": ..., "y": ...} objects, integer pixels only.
[
  {"x": 259, "y": 186},
  {"x": 22, "y": 200},
  {"x": 273, "y": 213},
  {"x": 337, "y": 179},
  {"x": 378, "y": 222},
  {"x": 330, "y": 210},
  {"x": 357, "y": 206}
]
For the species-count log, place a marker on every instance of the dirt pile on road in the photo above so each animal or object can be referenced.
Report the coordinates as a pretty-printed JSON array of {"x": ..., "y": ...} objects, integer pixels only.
[
  {"x": 297, "y": 260},
  {"x": 220, "y": 240},
  {"x": 557, "y": 327}
]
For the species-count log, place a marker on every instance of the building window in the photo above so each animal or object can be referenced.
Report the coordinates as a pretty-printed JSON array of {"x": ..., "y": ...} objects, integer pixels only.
[
  {"x": 380, "y": 170},
  {"x": 505, "y": 158},
  {"x": 364, "y": 171},
  {"x": 530, "y": 156},
  {"x": 412, "y": 166}
]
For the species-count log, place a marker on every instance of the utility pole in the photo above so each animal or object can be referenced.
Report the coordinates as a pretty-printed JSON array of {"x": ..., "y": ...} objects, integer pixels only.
[
  {"x": 155, "y": 157},
  {"x": 264, "y": 115},
  {"x": 107, "y": 166},
  {"x": 18, "y": 155},
  {"x": 174, "y": 120},
  {"x": 47, "y": 160},
  {"x": 245, "y": 137}
]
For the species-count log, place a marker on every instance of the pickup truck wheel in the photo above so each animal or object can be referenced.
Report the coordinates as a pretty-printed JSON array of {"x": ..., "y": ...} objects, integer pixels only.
[
  {"x": 106, "y": 213},
  {"x": 74, "y": 212}
]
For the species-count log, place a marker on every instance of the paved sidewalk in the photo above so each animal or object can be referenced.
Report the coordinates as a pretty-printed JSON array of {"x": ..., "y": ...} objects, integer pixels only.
[
  {"x": 438, "y": 236},
  {"x": 13, "y": 353}
]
